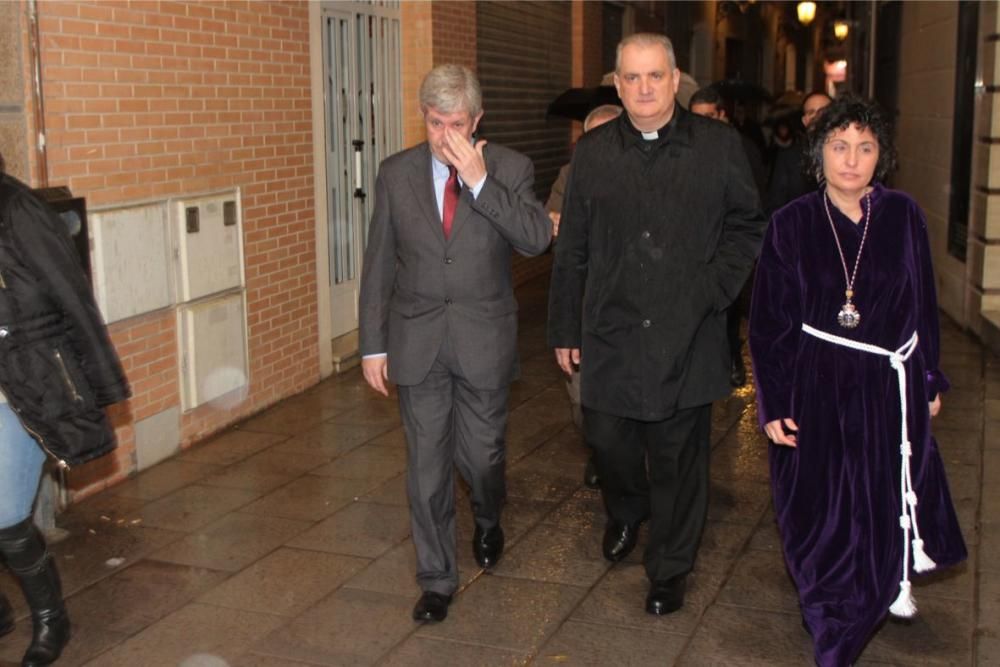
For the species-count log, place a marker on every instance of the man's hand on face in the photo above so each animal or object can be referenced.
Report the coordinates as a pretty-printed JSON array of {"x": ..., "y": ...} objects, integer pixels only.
[{"x": 465, "y": 157}]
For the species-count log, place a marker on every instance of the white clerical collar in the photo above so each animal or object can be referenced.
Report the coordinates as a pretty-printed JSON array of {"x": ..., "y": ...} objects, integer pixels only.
[{"x": 649, "y": 136}]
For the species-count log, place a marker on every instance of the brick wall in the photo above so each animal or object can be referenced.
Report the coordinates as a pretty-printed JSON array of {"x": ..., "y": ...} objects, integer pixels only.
[
  {"x": 417, "y": 59},
  {"x": 434, "y": 33},
  {"x": 15, "y": 91},
  {"x": 455, "y": 33},
  {"x": 148, "y": 100},
  {"x": 587, "y": 29},
  {"x": 587, "y": 37}
]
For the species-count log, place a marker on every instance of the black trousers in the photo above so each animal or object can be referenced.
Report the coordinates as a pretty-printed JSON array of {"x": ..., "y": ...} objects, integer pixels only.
[
  {"x": 734, "y": 316},
  {"x": 656, "y": 470},
  {"x": 737, "y": 310}
]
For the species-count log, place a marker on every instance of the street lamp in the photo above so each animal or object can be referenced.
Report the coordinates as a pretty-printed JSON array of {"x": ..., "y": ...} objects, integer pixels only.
[
  {"x": 806, "y": 12},
  {"x": 840, "y": 29}
]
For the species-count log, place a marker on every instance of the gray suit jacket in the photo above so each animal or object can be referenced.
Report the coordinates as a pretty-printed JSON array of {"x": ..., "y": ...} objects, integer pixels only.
[{"x": 417, "y": 288}]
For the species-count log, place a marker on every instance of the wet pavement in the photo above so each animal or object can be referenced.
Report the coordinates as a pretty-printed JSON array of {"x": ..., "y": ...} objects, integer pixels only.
[{"x": 285, "y": 541}]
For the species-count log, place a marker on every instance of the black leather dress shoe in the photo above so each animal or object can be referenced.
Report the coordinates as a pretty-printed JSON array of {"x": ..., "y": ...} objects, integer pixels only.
[
  {"x": 619, "y": 539},
  {"x": 666, "y": 597},
  {"x": 431, "y": 607},
  {"x": 590, "y": 478},
  {"x": 487, "y": 546}
]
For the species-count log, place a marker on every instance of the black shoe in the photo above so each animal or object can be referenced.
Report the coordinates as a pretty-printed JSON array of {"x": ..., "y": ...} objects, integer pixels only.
[
  {"x": 738, "y": 376},
  {"x": 431, "y": 607},
  {"x": 590, "y": 478},
  {"x": 487, "y": 546},
  {"x": 23, "y": 548},
  {"x": 620, "y": 539},
  {"x": 665, "y": 597},
  {"x": 6, "y": 616}
]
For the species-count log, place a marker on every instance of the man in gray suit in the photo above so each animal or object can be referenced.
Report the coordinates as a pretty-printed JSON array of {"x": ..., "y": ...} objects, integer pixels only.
[{"x": 439, "y": 318}]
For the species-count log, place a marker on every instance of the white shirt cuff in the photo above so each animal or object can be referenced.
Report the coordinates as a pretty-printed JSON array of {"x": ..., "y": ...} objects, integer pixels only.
[{"x": 478, "y": 187}]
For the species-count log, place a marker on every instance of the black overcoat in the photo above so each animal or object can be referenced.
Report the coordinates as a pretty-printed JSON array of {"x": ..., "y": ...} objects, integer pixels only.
[
  {"x": 58, "y": 368},
  {"x": 657, "y": 239}
]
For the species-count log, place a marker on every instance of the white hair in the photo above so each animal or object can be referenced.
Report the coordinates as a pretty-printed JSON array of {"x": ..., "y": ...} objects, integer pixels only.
[
  {"x": 603, "y": 112},
  {"x": 451, "y": 88}
]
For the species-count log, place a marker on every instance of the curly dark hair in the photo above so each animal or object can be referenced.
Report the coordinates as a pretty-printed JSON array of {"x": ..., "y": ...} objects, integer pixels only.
[{"x": 841, "y": 114}]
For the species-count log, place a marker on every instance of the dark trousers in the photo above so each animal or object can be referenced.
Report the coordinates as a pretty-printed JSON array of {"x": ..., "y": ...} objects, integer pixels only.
[
  {"x": 673, "y": 494},
  {"x": 734, "y": 316},
  {"x": 449, "y": 423}
]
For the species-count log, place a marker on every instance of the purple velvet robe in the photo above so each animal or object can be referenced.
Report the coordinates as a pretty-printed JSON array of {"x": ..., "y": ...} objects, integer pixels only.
[{"x": 836, "y": 495}]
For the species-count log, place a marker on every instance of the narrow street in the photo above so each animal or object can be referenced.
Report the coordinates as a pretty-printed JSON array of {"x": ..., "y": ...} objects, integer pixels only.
[{"x": 284, "y": 541}]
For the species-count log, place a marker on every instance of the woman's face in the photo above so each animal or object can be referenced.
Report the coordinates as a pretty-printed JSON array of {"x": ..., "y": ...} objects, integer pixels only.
[{"x": 849, "y": 158}]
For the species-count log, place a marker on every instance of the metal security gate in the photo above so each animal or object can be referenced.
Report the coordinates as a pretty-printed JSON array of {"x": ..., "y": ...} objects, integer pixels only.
[
  {"x": 361, "y": 88},
  {"x": 524, "y": 61}
]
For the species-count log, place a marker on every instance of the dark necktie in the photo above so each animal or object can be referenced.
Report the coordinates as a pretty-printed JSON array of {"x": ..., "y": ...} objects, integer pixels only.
[{"x": 451, "y": 192}]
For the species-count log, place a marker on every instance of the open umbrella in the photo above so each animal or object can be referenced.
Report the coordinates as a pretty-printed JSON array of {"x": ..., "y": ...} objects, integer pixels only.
[
  {"x": 790, "y": 99},
  {"x": 785, "y": 106},
  {"x": 576, "y": 103}
]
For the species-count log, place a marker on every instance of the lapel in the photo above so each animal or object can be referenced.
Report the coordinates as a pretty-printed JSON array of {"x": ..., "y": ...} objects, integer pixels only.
[
  {"x": 464, "y": 209},
  {"x": 422, "y": 182}
]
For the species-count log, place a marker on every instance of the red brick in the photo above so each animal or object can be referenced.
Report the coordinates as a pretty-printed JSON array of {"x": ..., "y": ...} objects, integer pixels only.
[{"x": 187, "y": 119}]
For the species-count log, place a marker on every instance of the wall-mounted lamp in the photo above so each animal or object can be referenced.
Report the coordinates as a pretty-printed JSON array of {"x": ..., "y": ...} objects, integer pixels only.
[
  {"x": 841, "y": 29},
  {"x": 806, "y": 12}
]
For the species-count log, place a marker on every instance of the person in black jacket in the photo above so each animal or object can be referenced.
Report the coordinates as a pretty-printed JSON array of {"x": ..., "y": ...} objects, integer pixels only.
[
  {"x": 58, "y": 370},
  {"x": 665, "y": 223},
  {"x": 599, "y": 116},
  {"x": 789, "y": 178},
  {"x": 709, "y": 103}
]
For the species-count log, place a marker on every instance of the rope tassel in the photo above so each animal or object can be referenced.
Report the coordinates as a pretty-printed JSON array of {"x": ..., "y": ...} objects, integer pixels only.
[
  {"x": 904, "y": 606},
  {"x": 921, "y": 561}
]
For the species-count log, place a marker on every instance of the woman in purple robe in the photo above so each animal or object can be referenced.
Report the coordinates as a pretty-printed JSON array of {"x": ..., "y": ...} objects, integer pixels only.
[{"x": 844, "y": 339}]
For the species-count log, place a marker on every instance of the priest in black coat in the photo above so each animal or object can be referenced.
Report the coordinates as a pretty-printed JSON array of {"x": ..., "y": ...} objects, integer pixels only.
[{"x": 664, "y": 222}]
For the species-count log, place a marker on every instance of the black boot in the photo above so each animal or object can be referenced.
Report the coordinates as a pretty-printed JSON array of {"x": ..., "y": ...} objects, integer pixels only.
[
  {"x": 6, "y": 616},
  {"x": 24, "y": 550}
]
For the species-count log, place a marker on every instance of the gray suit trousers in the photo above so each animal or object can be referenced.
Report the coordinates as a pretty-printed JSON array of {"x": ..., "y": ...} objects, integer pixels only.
[{"x": 450, "y": 423}]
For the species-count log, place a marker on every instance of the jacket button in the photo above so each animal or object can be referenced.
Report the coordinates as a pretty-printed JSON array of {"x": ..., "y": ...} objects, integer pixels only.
[
  {"x": 448, "y": 260},
  {"x": 646, "y": 324},
  {"x": 4, "y": 332},
  {"x": 645, "y": 235}
]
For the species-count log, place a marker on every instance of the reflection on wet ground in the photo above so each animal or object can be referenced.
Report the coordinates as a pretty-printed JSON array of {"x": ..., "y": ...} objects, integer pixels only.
[{"x": 285, "y": 541}]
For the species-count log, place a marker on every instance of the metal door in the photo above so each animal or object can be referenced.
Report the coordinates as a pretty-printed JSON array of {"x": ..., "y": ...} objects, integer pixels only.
[{"x": 361, "y": 88}]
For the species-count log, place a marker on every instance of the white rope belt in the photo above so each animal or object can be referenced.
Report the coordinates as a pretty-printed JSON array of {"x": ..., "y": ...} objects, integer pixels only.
[{"x": 904, "y": 605}]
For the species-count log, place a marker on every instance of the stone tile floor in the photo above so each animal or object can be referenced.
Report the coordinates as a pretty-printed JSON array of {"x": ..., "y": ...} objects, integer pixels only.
[{"x": 284, "y": 541}]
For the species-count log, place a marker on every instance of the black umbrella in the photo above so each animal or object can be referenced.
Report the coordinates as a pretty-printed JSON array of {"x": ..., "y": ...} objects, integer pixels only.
[
  {"x": 738, "y": 90},
  {"x": 576, "y": 103}
]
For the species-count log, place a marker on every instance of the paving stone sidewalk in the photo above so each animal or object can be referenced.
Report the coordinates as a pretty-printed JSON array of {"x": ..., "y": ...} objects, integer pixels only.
[{"x": 285, "y": 541}]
